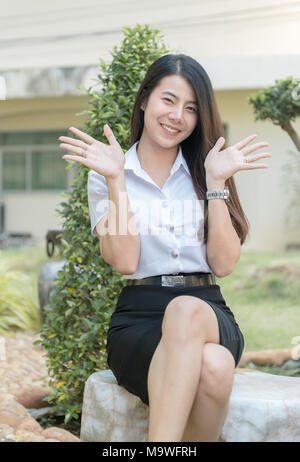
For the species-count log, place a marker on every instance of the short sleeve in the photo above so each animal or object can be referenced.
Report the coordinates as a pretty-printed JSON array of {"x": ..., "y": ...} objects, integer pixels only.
[{"x": 98, "y": 198}]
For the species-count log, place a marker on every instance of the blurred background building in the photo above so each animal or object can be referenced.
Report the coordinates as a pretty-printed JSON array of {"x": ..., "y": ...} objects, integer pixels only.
[{"x": 48, "y": 49}]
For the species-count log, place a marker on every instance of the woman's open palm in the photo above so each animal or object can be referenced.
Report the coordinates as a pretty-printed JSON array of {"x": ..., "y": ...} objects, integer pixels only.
[
  {"x": 106, "y": 160},
  {"x": 221, "y": 165}
]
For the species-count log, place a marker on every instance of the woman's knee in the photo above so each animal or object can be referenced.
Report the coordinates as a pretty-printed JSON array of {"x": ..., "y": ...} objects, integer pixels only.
[
  {"x": 217, "y": 371},
  {"x": 185, "y": 318}
]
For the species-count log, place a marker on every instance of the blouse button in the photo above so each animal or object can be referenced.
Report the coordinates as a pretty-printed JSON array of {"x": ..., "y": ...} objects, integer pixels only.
[
  {"x": 171, "y": 228},
  {"x": 164, "y": 203},
  {"x": 174, "y": 254}
]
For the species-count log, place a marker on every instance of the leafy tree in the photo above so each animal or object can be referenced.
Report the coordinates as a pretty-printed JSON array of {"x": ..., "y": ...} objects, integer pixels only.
[
  {"x": 86, "y": 289},
  {"x": 280, "y": 104}
]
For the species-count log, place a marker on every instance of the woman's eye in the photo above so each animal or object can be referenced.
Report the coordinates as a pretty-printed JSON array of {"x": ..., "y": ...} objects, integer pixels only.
[{"x": 190, "y": 107}]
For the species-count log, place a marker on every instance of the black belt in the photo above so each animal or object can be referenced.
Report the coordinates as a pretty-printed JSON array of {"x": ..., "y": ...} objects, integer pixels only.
[{"x": 176, "y": 280}]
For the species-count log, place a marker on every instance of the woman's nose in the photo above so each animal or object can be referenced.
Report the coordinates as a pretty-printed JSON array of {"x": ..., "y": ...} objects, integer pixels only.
[{"x": 176, "y": 114}]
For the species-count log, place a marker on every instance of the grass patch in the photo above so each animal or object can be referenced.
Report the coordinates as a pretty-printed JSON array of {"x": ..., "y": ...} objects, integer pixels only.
[{"x": 263, "y": 292}]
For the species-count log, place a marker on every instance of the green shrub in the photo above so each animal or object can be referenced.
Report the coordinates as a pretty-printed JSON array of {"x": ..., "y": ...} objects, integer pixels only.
[{"x": 86, "y": 291}]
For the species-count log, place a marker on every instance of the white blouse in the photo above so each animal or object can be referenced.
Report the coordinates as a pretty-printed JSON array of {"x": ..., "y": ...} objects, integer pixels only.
[{"x": 170, "y": 220}]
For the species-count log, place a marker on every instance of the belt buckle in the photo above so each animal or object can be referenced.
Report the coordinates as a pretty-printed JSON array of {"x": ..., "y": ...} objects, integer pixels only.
[{"x": 172, "y": 281}]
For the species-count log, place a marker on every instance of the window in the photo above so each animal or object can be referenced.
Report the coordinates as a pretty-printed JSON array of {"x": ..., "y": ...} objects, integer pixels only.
[
  {"x": 48, "y": 170},
  {"x": 13, "y": 169},
  {"x": 32, "y": 161}
]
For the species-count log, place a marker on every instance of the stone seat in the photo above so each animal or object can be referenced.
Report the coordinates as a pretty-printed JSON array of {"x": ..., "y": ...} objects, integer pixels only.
[{"x": 263, "y": 407}]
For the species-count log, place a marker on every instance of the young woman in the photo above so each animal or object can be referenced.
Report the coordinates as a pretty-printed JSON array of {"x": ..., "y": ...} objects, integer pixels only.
[{"x": 172, "y": 339}]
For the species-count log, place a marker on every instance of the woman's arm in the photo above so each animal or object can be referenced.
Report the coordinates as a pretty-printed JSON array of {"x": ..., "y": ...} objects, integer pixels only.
[
  {"x": 223, "y": 244},
  {"x": 223, "y": 248},
  {"x": 120, "y": 244},
  {"x": 119, "y": 240}
]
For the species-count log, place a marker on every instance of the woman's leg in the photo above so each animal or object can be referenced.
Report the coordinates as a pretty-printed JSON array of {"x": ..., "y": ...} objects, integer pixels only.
[
  {"x": 210, "y": 406},
  {"x": 174, "y": 371}
]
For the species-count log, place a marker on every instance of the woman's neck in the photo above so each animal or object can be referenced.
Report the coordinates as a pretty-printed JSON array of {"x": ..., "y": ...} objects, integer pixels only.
[{"x": 154, "y": 157}]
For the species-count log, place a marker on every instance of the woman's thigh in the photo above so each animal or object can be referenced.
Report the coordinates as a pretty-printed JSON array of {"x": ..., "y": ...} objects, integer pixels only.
[{"x": 187, "y": 316}]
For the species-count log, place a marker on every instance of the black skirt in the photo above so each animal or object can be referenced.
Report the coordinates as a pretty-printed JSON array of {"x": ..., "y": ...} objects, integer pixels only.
[{"x": 135, "y": 330}]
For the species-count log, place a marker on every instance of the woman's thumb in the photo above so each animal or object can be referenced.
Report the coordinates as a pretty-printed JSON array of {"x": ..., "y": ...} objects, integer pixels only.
[
  {"x": 220, "y": 142},
  {"x": 109, "y": 134}
]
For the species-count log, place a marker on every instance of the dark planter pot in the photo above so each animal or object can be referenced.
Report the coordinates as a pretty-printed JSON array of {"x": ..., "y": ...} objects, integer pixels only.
[
  {"x": 47, "y": 275},
  {"x": 48, "y": 271}
]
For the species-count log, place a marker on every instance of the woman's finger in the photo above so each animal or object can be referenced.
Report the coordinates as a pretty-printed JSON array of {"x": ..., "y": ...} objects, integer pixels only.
[
  {"x": 110, "y": 136},
  {"x": 245, "y": 141},
  {"x": 84, "y": 136},
  {"x": 262, "y": 155},
  {"x": 247, "y": 166},
  {"x": 259, "y": 156},
  {"x": 219, "y": 143},
  {"x": 71, "y": 148},
  {"x": 73, "y": 141},
  {"x": 81, "y": 160},
  {"x": 253, "y": 147}
]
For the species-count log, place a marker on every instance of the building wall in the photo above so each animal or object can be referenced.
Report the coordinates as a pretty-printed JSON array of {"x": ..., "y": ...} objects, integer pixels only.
[{"x": 34, "y": 211}]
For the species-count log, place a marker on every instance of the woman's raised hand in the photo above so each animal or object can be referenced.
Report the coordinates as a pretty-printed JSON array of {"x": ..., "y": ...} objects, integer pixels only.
[
  {"x": 106, "y": 160},
  {"x": 222, "y": 164}
]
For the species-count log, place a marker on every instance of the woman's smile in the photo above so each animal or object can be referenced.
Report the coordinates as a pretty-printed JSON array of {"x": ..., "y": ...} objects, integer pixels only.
[{"x": 169, "y": 131}]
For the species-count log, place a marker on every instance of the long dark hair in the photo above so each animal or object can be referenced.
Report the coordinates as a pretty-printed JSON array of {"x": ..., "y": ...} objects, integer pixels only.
[{"x": 208, "y": 129}]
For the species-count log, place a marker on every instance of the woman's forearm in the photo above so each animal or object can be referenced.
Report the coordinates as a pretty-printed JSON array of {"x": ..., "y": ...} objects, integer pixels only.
[
  {"x": 121, "y": 240},
  {"x": 223, "y": 246}
]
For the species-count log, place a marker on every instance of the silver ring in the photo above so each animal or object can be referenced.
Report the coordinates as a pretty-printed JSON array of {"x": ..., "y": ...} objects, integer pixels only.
[
  {"x": 84, "y": 151},
  {"x": 246, "y": 160}
]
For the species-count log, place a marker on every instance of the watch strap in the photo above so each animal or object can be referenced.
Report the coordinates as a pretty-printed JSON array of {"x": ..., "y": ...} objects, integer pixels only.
[{"x": 218, "y": 194}]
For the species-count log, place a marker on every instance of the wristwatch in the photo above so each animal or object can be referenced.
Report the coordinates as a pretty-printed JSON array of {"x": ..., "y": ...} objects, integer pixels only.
[{"x": 221, "y": 194}]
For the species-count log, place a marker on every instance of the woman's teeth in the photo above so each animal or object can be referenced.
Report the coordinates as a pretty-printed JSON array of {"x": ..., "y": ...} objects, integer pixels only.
[{"x": 170, "y": 129}]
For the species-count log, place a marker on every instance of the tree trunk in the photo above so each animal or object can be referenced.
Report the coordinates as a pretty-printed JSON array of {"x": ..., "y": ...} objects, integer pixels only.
[{"x": 292, "y": 132}]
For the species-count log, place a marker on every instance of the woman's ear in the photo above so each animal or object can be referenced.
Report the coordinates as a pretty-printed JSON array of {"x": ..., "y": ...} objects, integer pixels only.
[{"x": 144, "y": 104}]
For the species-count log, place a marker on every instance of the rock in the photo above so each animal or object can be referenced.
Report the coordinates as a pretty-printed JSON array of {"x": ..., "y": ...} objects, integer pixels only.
[
  {"x": 31, "y": 425},
  {"x": 37, "y": 413},
  {"x": 110, "y": 413},
  {"x": 25, "y": 436},
  {"x": 10, "y": 418},
  {"x": 290, "y": 365},
  {"x": 266, "y": 357},
  {"x": 15, "y": 407},
  {"x": 263, "y": 408},
  {"x": 6, "y": 397},
  {"x": 5, "y": 430},
  {"x": 33, "y": 396},
  {"x": 60, "y": 434}
]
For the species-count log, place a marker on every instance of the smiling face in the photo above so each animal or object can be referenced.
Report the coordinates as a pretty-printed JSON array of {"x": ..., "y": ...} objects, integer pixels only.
[{"x": 172, "y": 104}]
